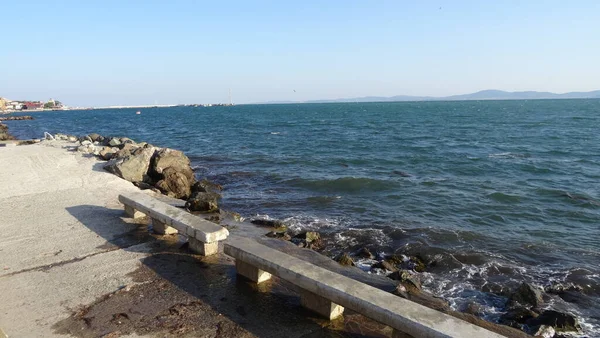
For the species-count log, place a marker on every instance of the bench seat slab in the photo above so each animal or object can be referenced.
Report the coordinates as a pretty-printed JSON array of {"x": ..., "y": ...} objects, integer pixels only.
[
  {"x": 320, "y": 305},
  {"x": 251, "y": 272},
  {"x": 204, "y": 249}
]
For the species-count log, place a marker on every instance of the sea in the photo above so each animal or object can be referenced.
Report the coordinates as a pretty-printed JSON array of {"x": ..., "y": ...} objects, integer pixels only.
[{"x": 489, "y": 193}]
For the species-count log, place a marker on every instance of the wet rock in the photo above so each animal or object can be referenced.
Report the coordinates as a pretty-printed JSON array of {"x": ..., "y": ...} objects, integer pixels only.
[
  {"x": 404, "y": 276},
  {"x": 560, "y": 288},
  {"x": 496, "y": 289},
  {"x": 545, "y": 332},
  {"x": 203, "y": 201},
  {"x": 175, "y": 184},
  {"x": 365, "y": 253},
  {"x": 474, "y": 309},
  {"x": 384, "y": 265},
  {"x": 417, "y": 264},
  {"x": 174, "y": 159},
  {"x": 280, "y": 235},
  {"x": 344, "y": 259},
  {"x": 309, "y": 236},
  {"x": 527, "y": 295},
  {"x": 206, "y": 186},
  {"x": 4, "y": 135},
  {"x": 273, "y": 223},
  {"x": 134, "y": 167},
  {"x": 517, "y": 316},
  {"x": 561, "y": 322}
]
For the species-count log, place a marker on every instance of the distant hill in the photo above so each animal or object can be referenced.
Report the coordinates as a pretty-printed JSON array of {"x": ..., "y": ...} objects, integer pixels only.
[{"x": 489, "y": 94}]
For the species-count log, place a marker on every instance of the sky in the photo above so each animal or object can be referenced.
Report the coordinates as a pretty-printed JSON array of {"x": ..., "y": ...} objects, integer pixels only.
[{"x": 103, "y": 53}]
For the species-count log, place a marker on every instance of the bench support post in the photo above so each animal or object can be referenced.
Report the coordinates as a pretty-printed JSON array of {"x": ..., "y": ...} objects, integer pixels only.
[
  {"x": 399, "y": 334},
  {"x": 204, "y": 249},
  {"x": 131, "y": 212},
  {"x": 320, "y": 305},
  {"x": 161, "y": 228},
  {"x": 251, "y": 272}
]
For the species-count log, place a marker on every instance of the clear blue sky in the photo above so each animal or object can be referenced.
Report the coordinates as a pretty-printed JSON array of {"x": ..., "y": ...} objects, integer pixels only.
[{"x": 135, "y": 52}]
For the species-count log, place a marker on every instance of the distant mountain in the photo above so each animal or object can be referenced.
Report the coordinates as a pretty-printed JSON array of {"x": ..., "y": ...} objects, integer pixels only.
[{"x": 489, "y": 94}]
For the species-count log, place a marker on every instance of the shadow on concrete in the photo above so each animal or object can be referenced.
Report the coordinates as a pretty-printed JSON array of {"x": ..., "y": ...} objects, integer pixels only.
[{"x": 183, "y": 294}]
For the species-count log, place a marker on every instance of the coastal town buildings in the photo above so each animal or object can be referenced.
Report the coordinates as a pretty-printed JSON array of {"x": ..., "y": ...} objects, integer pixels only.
[{"x": 7, "y": 106}]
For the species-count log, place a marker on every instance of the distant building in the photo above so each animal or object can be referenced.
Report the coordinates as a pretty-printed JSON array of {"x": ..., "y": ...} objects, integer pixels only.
[{"x": 31, "y": 105}]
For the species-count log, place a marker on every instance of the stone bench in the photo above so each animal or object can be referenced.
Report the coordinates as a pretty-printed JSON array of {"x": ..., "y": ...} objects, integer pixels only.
[
  {"x": 328, "y": 293},
  {"x": 203, "y": 236}
]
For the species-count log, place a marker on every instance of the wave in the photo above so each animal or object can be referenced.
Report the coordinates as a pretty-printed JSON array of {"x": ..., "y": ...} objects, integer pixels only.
[
  {"x": 343, "y": 185},
  {"x": 504, "y": 198}
]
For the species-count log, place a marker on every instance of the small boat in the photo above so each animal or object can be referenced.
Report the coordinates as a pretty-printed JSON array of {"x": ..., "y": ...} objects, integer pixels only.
[{"x": 138, "y": 112}]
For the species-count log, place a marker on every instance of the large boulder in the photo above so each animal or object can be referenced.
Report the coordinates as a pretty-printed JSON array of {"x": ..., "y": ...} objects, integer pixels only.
[
  {"x": 344, "y": 259},
  {"x": 170, "y": 158},
  {"x": 134, "y": 167},
  {"x": 526, "y": 295},
  {"x": 406, "y": 278},
  {"x": 175, "y": 184},
  {"x": 125, "y": 151},
  {"x": 561, "y": 322},
  {"x": 203, "y": 201}
]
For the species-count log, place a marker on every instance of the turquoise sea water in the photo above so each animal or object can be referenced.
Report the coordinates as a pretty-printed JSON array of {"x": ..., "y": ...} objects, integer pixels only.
[{"x": 490, "y": 193}]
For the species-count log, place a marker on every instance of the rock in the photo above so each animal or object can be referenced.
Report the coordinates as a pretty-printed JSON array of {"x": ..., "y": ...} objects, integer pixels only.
[
  {"x": 474, "y": 308},
  {"x": 72, "y": 138},
  {"x": 134, "y": 167},
  {"x": 84, "y": 138},
  {"x": 344, "y": 259},
  {"x": 175, "y": 184},
  {"x": 365, "y": 253},
  {"x": 202, "y": 201},
  {"x": 86, "y": 143},
  {"x": 272, "y": 223},
  {"x": 545, "y": 332},
  {"x": 96, "y": 137},
  {"x": 125, "y": 151},
  {"x": 309, "y": 236},
  {"x": 527, "y": 295},
  {"x": 4, "y": 135},
  {"x": 126, "y": 140},
  {"x": 561, "y": 322},
  {"x": 143, "y": 185},
  {"x": 170, "y": 158},
  {"x": 61, "y": 137},
  {"x": 106, "y": 153},
  {"x": 417, "y": 264},
  {"x": 497, "y": 289},
  {"x": 384, "y": 265},
  {"x": 280, "y": 235},
  {"x": 48, "y": 136},
  {"x": 113, "y": 142},
  {"x": 560, "y": 288},
  {"x": 206, "y": 186},
  {"x": 405, "y": 277},
  {"x": 517, "y": 316}
]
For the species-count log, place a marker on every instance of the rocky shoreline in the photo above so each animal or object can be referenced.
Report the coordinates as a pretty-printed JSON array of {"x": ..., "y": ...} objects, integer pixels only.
[{"x": 169, "y": 172}]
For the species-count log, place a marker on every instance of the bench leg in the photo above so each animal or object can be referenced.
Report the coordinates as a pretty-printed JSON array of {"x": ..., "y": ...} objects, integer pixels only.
[
  {"x": 400, "y": 334},
  {"x": 131, "y": 212},
  {"x": 252, "y": 273},
  {"x": 204, "y": 249},
  {"x": 320, "y": 305},
  {"x": 161, "y": 228}
]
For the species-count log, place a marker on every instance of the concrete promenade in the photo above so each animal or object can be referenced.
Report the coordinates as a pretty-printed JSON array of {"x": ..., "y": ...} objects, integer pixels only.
[{"x": 72, "y": 264}]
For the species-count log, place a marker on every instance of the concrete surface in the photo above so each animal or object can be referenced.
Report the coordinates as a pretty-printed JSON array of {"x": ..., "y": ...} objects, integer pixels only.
[
  {"x": 55, "y": 252},
  {"x": 399, "y": 313}
]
